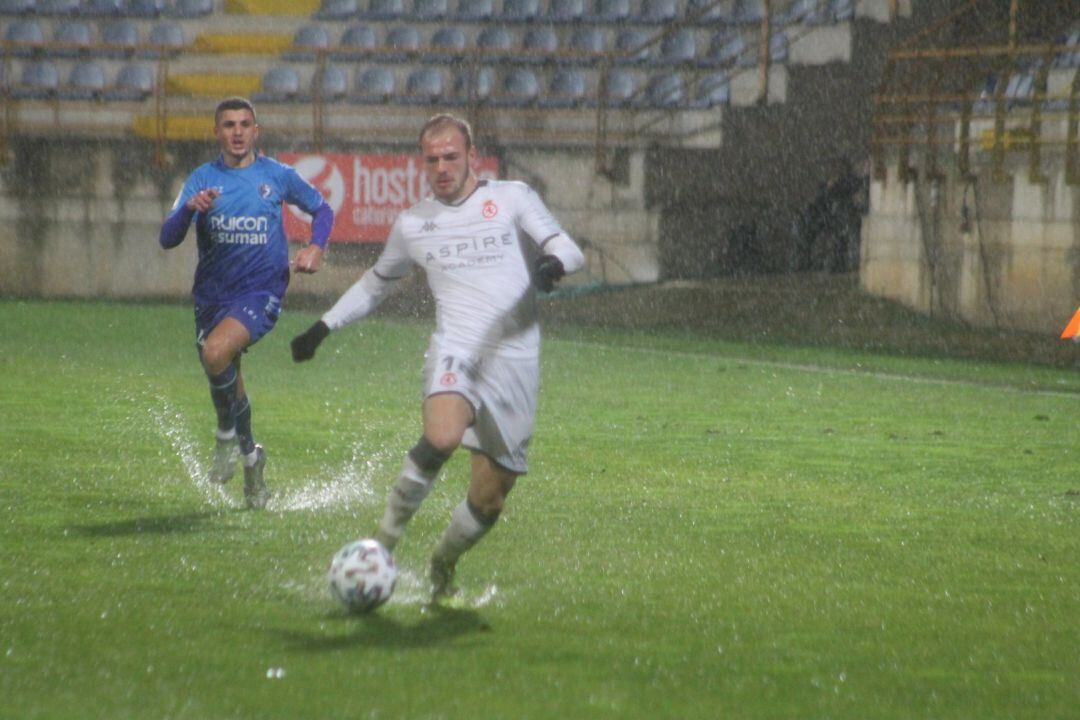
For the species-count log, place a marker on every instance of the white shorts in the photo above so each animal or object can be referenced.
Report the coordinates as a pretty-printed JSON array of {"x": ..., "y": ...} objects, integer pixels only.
[{"x": 503, "y": 394}]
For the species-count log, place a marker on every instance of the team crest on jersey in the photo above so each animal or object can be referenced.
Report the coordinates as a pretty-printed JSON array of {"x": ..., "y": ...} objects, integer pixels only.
[
  {"x": 264, "y": 190},
  {"x": 490, "y": 209},
  {"x": 448, "y": 379}
]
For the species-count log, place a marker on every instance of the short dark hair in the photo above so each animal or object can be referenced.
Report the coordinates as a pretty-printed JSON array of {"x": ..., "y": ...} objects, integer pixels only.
[
  {"x": 234, "y": 103},
  {"x": 445, "y": 120}
]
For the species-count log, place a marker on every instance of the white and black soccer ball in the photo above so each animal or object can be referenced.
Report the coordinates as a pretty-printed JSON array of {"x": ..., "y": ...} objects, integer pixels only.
[{"x": 362, "y": 575}]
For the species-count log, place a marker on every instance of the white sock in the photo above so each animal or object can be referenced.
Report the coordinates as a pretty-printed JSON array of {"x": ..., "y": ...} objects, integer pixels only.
[
  {"x": 464, "y": 531},
  {"x": 412, "y": 486}
]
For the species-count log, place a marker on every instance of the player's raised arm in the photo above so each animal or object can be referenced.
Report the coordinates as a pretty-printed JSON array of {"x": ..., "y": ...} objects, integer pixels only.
[
  {"x": 188, "y": 203},
  {"x": 305, "y": 196}
]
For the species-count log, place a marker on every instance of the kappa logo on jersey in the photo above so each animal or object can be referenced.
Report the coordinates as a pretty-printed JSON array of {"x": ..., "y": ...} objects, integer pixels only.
[
  {"x": 429, "y": 226},
  {"x": 448, "y": 379},
  {"x": 490, "y": 209},
  {"x": 264, "y": 191}
]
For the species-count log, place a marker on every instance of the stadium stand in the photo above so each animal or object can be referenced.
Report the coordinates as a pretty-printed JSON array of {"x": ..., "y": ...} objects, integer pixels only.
[
  {"x": 40, "y": 80},
  {"x": 519, "y": 89},
  {"x": 279, "y": 84},
  {"x": 567, "y": 90},
  {"x": 425, "y": 86},
  {"x": 383, "y": 10},
  {"x": 475, "y": 10},
  {"x": 538, "y": 45},
  {"x": 119, "y": 39},
  {"x": 134, "y": 83},
  {"x": 610, "y": 12},
  {"x": 401, "y": 43},
  {"x": 657, "y": 12},
  {"x": 337, "y": 10},
  {"x": 86, "y": 82},
  {"x": 187, "y": 9},
  {"x": 375, "y": 85},
  {"x": 308, "y": 41},
  {"x": 166, "y": 39},
  {"x": 447, "y": 44},
  {"x": 72, "y": 38},
  {"x": 357, "y": 41},
  {"x": 430, "y": 10},
  {"x": 565, "y": 11},
  {"x": 24, "y": 37},
  {"x": 519, "y": 11},
  {"x": 665, "y": 91}
]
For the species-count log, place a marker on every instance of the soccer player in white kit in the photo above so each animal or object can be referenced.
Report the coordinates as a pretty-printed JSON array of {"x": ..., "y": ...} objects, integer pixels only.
[{"x": 485, "y": 247}]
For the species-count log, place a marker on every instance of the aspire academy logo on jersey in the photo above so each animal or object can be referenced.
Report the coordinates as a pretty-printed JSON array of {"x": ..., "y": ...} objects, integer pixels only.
[{"x": 490, "y": 209}]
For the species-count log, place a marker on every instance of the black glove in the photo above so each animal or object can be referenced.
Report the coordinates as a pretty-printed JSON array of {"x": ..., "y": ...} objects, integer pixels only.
[
  {"x": 548, "y": 271},
  {"x": 303, "y": 345}
]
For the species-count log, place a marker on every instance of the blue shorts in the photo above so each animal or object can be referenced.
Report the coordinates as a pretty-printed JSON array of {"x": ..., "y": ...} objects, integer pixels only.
[{"x": 257, "y": 312}]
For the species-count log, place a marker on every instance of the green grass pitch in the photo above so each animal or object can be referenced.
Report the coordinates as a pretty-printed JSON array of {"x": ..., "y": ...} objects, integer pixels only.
[{"x": 709, "y": 530}]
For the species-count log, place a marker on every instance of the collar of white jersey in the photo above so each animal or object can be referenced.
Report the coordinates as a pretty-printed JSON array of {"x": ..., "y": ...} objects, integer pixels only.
[{"x": 462, "y": 201}]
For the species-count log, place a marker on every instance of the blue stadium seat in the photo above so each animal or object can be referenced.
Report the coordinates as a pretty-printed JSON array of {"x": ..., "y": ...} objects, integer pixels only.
[
  {"x": 384, "y": 10},
  {"x": 727, "y": 49},
  {"x": 72, "y": 37},
  {"x": 24, "y": 34},
  {"x": 430, "y": 10},
  {"x": 665, "y": 92},
  {"x": 447, "y": 45},
  {"x": 494, "y": 41},
  {"x": 18, "y": 7},
  {"x": 1070, "y": 57},
  {"x": 187, "y": 9},
  {"x": 1020, "y": 88},
  {"x": 133, "y": 82},
  {"x": 86, "y": 82},
  {"x": 842, "y": 10},
  {"x": 401, "y": 43},
  {"x": 168, "y": 39},
  {"x": 519, "y": 88},
  {"x": 475, "y": 10},
  {"x": 515, "y": 11},
  {"x": 804, "y": 12},
  {"x": 307, "y": 43},
  {"x": 121, "y": 36},
  {"x": 103, "y": 8},
  {"x": 585, "y": 48},
  {"x": 706, "y": 12},
  {"x": 657, "y": 12},
  {"x": 145, "y": 8},
  {"x": 424, "y": 86},
  {"x": 539, "y": 45},
  {"x": 621, "y": 88},
  {"x": 712, "y": 90},
  {"x": 678, "y": 47},
  {"x": 374, "y": 85},
  {"x": 610, "y": 11},
  {"x": 61, "y": 8},
  {"x": 337, "y": 10},
  {"x": 357, "y": 41},
  {"x": 331, "y": 84},
  {"x": 632, "y": 46},
  {"x": 40, "y": 81},
  {"x": 474, "y": 86},
  {"x": 778, "y": 48},
  {"x": 567, "y": 90},
  {"x": 747, "y": 12},
  {"x": 566, "y": 11},
  {"x": 279, "y": 84}
]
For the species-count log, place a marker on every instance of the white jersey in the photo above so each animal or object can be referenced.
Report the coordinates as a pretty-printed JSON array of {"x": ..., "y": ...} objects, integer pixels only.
[{"x": 478, "y": 256}]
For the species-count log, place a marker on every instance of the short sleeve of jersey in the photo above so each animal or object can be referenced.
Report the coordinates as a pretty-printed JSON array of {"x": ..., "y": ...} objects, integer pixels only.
[
  {"x": 192, "y": 186},
  {"x": 300, "y": 192},
  {"x": 533, "y": 216}
]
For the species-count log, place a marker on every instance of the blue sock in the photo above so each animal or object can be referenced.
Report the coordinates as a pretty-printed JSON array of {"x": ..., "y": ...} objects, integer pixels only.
[
  {"x": 223, "y": 393},
  {"x": 243, "y": 425}
]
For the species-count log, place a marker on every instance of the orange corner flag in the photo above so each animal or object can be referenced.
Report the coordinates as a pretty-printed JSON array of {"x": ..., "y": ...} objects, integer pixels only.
[{"x": 1072, "y": 330}]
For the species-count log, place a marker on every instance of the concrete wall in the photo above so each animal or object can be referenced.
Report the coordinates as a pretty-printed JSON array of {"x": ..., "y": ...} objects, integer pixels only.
[
  {"x": 81, "y": 218},
  {"x": 1015, "y": 264}
]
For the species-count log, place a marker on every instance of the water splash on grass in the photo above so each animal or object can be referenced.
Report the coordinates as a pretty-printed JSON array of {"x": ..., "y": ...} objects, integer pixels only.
[
  {"x": 172, "y": 425},
  {"x": 352, "y": 482}
]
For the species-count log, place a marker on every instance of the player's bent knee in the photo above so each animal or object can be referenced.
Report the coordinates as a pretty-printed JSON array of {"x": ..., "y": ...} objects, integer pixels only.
[{"x": 430, "y": 456}]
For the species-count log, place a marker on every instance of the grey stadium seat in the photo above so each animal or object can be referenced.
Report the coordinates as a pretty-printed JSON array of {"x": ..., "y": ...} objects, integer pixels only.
[
  {"x": 86, "y": 82},
  {"x": 712, "y": 90},
  {"x": 842, "y": 10},
  {"x": 308, "y": 42},
  {"x": 728, "y": 49},
  {"x": 424, "y": 86},
  {"x": 337, "y": 10},
  {"x": 447, "y": 44},
  {"x": 494, "y": 41},
  {"x": 133, "y": 82},
  {"x": 357, "y": 40},
  {"x": 40, "y": 80},
  {"x": 168, "y": 37},
  {"x": 18, "y": 7},
  {"x": 401, "y": 43},
  {"x": 520, "y": 88},
  {"x": 122, "y": 36},
  {"x": 430, "y": 10},
  {"x": 706, "y": 12},
  {"x": 567, "y": 90},
  {"x": 679, "y": 47},
  {"x": 630, "y": 44},
  {"x": 74, "y": 38},
  {"x": 331, "y": 85},
  {"x": 566, "y": 11},
  {"x": 475, "y": 10},
  {"x": 586, "y": 45},
  {"x": 747, "y": 11},
  {"x": 26, "y": 34},
  {"x": 186, "y": 9},
  {"x": 279, "y": 84},
  {"x": 539, "y": 45},
  {"x": 384, "y": 10},
  {"x": 610, "y": 11},
  {"x": 474, "y": 85},
  {"x": 145, "y": 8},
  {"x": 804, "y": 12},
  {"x": 60, "y": 8},
  {"x": 514, "y": 11},
  {"x": 657, "y": 12},
  {"x": 103, "y": 8},
  {"x": 621, "y": 88},
  {"x": 665, "y": 91},
  {"x": 373, "y": 85}
]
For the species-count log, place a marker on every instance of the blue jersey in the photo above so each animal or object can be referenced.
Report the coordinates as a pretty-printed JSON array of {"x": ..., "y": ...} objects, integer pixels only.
[{"x": 242, "y": 246}]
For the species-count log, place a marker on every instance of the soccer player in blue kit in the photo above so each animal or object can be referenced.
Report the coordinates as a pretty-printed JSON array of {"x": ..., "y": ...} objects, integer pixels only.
[{"x": 242, "y": 273}]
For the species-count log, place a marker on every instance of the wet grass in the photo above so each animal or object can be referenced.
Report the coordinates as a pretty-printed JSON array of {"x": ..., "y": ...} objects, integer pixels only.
[{"x": 713, "y": 526}]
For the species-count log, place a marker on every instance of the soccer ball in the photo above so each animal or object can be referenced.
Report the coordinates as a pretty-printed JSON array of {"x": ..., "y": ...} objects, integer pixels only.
[{"x": 362, "y": 575}]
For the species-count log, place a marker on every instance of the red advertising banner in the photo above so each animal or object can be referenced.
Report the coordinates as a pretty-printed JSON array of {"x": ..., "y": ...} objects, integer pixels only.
[{"x": 366, "y": 192}]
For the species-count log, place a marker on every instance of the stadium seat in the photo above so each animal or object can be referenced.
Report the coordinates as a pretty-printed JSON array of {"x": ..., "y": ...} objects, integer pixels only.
[
  {"x": 168, "y": 39},
  {"x": 1020, "y": 88},
  {"x": 374, "y": 85},
  {"x": 804, "y": 12},
  {"x": 586, "y": 46},
  {"x": 424, "y": 86},
  {"x": 187, "y": 9},
  {"x": 566, "y": 11},
  {"x": 401, "y": 43},
  {"x": 384, "y": 10},
  {"x": 145, "y": 8},
  {"x": 60, "y": 8},
  {"x": 279, "y": 84},
  {"x": 18, "y": 7},
  {"x": 519, "y": 88},
  {"x": 447, "y": 45},
  {"x": 133, "y": 82},
  {"x": 103, "y": 8},
  {"x": 86, "y": 82},
  {"x": 679, "y": 47},
  {"x": 72, "y": 38},
  {"x": 621, "y": 88},
  {"x": 1070, "y": 57},
  {"x": 842, "y": 10},
  {"x": 121, "y": 37},
  {"x": 567, "y": 90},
  {"x": 657, "y": 12},
  {"x": 610, "y": 11},
  {"x": 40, "y": 81},
  {"x": 331, "y": 84},
  {"x": 24, "y": 36},
  {"x": 474, "y": 86},
  {"x": 307, "y": 43},
  {"x": 337, "y": 10},
  {"x": 516, "y": 11},
  {"x": 430, "y": 10},
  {"x": 728, "y": 49},
  {"x": 539, "y": 45},
  {"x": 665, "y": 92},
  {"x": 357, "y": 41},
  {"x": 632, "y": 46},
  {"x": 712, "y": 90},
  {"x": 475, "y": 10},
  {"x": 747, "y": 12},
  {"x": 494, "y": 41},
  {"x": 706, "y": 12},
  {"x": 778, "y": 48}
]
